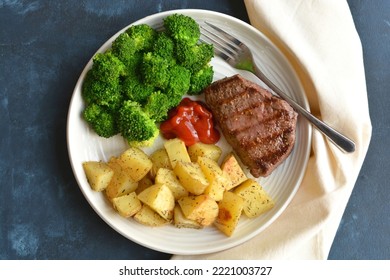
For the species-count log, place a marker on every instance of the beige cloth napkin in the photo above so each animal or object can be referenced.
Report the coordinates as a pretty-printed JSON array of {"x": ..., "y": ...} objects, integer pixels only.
[{"x": 320, "y": 40}]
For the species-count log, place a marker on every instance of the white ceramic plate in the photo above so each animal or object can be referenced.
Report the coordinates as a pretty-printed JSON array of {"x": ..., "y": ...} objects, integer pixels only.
[{"x": 282, "y": 184}]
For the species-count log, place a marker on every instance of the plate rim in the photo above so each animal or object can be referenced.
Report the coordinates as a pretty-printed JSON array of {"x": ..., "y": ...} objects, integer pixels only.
[{"x": 306, "y": 155}]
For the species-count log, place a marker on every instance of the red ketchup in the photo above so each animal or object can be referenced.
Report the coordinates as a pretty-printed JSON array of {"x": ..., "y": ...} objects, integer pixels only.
[{"x": 191, "y": 122}]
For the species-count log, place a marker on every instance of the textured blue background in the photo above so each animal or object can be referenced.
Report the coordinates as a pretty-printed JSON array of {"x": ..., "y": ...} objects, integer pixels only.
[{"x": 44, "y": 46}]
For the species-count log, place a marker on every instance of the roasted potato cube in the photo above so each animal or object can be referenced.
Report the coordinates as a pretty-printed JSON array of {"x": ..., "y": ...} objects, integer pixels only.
[
  {"x": 159, "y": 159},
  {"x": 121, "y": 183},
  {"x": 127, "y": 205},
  {"x": 191, "y": 177},
  {"x": 168, "y": 177},
  {"x": 230, "y": 209},
  {"x": 217, "y": 188},
  {"x": 200, "y": 149},
  {"x": 160, "y": 198},
  {"x": 147, "y": 216},
  {"x": 231, "y": 167},
  {"x": 209, "y": 167},
  {"x": 135, "y": 162},
  {"x": 199, "y": 208},
  {"x": 143, "y": 184},
  {"x": 256, "y": 200},
  {"x": 218, "y": 182},
  {"x": 98, "y": 174},
  {"x": 177, "y": 151},
  {"x": 182, "y": 222}
]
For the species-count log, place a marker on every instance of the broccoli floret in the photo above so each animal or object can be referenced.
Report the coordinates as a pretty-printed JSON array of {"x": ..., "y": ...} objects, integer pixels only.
[
  {"x": 88, "y": 89},
  {"x": 164, "y": 46},
  {"x": 101, "y": 120},
  {"x": 123, "y": 47},
  {"x": 143, "y": 36},
  {"x": 182, "y": 28},
  {"x": 133, "y": 63},
  {"x": 101, "y": 92},
  {"x": 194, "y": 57},
  {"x": 133, "y": 89},
  {"x": 179, "y": 80},
  {"x": 158, "y": 106},
  {"x": 135, "y": 125},
  {"x": 201, "y": 79},
  {"x": 155, "y": 70},
  {"x": 107, "y": 67},
  {"x": 174, "y": 98}
]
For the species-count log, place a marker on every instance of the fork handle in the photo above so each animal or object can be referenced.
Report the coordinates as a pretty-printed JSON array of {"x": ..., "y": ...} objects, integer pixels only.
[{"x": 341, "y": 141}]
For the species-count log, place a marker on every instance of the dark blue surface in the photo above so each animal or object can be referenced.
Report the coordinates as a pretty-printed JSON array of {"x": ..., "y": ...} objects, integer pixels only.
[
  {"x": 44, "y": 45},
  {"x": 364, "y": 231}
]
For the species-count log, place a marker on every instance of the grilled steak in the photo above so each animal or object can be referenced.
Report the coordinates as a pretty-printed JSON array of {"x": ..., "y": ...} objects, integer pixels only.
[{"x": 258, "y": 125}]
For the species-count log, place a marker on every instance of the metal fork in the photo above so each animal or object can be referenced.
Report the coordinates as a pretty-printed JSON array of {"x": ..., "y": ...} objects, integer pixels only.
[{"x": 238, "y": 55}]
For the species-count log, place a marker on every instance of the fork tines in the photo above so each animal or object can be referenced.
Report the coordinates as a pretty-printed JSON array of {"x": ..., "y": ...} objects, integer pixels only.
[{"x": 225, "y": 45}]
